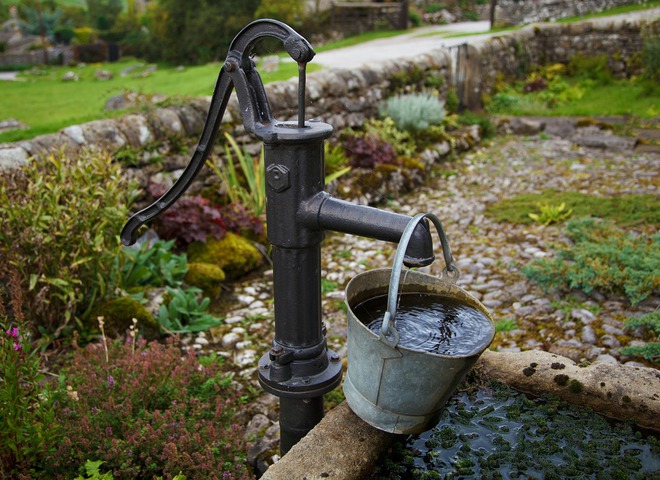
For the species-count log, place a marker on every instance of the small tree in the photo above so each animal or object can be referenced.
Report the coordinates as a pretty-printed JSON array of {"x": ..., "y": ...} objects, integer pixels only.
[
  {"x": 291, "y": 12},
  {"x": 103, "y": 13}
]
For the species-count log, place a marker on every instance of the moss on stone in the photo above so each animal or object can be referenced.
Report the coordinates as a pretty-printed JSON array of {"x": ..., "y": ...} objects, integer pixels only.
[
  {"x": 412, "y": 164},
  {"x": 575, "y": 386},
  {"x": 235, "y": 255},
  {"x": 118, "y": 315},
  {"x": 207, "y": 276},
  {"x": 529, "y": 371}
]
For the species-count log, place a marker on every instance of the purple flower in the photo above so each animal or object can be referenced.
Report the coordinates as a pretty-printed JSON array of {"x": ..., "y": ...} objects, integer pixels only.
[
  {"x": 111, "y": 381},
  {"x": 17, "y": 347},
  {"x": 13, "y": 332}
]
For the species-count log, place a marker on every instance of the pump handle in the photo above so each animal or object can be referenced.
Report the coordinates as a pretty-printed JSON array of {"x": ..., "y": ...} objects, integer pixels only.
[{"x": 237, "y": 72}]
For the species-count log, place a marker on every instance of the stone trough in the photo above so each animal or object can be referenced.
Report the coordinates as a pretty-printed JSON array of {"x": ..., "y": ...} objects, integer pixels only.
[{"x": 343, "y": 447}]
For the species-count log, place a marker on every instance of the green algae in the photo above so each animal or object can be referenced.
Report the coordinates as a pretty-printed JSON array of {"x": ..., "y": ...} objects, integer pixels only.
[{"x": 497, "y": 433}]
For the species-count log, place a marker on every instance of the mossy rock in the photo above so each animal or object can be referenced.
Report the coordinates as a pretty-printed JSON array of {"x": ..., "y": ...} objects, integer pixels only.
[
  {"x": 118, "y": 315},
  {"x": 234, "y": 254},
  {"x": 207, "y": 276}
]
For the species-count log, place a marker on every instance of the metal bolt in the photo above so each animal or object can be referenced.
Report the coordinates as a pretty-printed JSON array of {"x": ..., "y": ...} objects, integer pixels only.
[
  {"x": 334, "y": 357},
  {"x": 278, "y": 177}
]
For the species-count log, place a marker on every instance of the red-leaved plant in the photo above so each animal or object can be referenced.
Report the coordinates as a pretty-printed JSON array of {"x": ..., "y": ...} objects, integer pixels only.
[
  {"x": 194, "y": 219},
  {"x": 148, "y": 412},
  {"x": 368, "y": 151}
]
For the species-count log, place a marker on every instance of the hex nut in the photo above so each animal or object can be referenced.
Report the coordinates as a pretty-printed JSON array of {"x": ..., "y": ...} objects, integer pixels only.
[{"x": 277, "y": 177}]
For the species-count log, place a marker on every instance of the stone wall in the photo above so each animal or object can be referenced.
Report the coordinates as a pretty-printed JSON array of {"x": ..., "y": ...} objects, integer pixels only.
[
  {"x": 56, "y": 55},
  {"x": 621, "y": 41},
  {"x": 345, "y": 98},
  {"x": 522, "y": 12}
]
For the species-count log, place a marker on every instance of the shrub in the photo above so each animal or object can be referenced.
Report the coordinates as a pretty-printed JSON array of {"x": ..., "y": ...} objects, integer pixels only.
[
  {"x": 368, "y": 151},
  {"x": 59, "y": 221},
  {"x": 291, "y": 12},
  {"x": 147, "y": 412},
  {"x": 414, "y": 17},
  {"x": 602, "y": 257},
  {"x": 434, "y": 7},
  {"x": 26, "y": 414},
  {"x": 414, "y": 112}
]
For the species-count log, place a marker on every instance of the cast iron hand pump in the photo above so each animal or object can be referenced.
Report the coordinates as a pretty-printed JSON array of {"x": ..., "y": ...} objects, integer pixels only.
[{"x": 299, "y": 368}]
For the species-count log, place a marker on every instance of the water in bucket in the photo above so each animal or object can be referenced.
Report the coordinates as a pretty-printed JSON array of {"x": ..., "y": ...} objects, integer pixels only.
[{"x": 431, "y": 323}]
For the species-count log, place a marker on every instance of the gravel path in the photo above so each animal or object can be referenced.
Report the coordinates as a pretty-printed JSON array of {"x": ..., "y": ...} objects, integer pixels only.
[{"x": 489, "y": 254}]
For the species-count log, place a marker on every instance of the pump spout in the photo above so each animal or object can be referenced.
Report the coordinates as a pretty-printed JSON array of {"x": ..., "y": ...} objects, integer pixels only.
[{"x": 325, "y": 212}]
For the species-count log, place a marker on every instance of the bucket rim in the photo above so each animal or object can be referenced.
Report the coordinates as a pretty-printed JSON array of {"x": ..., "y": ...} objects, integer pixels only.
[{"x": 381, "y": 271}]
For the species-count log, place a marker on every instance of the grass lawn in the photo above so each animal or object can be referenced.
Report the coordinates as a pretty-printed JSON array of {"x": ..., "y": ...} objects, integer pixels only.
[
  {"x": 621, "y": 97},
  {"x": 48, "y": 104}
]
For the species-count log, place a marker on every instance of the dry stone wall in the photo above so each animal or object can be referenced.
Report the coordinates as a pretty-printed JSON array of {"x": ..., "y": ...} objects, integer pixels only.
[
  {"x": 621, "y": 41},
  {"x": 345, "y": 98},
  {"x": 522, "y": 12}
]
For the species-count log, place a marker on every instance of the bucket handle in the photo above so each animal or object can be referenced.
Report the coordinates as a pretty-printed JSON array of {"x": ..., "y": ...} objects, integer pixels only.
[{"x": 388, "y": 333}]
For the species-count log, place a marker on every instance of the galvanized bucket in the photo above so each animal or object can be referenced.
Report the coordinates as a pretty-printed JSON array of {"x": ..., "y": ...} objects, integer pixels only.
[{"x": 393, "y": 388}]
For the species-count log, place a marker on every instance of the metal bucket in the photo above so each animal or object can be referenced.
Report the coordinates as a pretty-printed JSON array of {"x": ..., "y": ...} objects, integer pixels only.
[{"x": 393, "y": 388}]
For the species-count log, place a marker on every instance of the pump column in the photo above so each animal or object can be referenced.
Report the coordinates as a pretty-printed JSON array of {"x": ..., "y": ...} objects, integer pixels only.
[{"x": 299, "y": 368}]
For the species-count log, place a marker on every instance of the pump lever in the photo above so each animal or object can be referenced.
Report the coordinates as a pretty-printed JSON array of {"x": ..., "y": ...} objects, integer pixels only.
[{"x": 237, "y": 72}]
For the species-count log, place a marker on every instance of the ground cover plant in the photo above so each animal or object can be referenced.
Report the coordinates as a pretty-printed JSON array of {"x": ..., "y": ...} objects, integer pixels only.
[
  {"x": 140, "y": 409},
  {"x": 625, "y": 210},
  {"x": 649, "y": 326},
  {"x": 602, "y": 257}
]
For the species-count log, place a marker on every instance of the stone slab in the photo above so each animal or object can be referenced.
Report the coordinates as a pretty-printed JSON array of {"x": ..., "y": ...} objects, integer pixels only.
[{"x": 341, "y": 447}]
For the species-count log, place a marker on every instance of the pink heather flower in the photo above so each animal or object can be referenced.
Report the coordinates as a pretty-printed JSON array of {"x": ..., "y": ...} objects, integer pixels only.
[
  {"x": 13, "y": 332},
  {"x": 111, "y": 381},
  {"x": 17, "y": 347}
]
